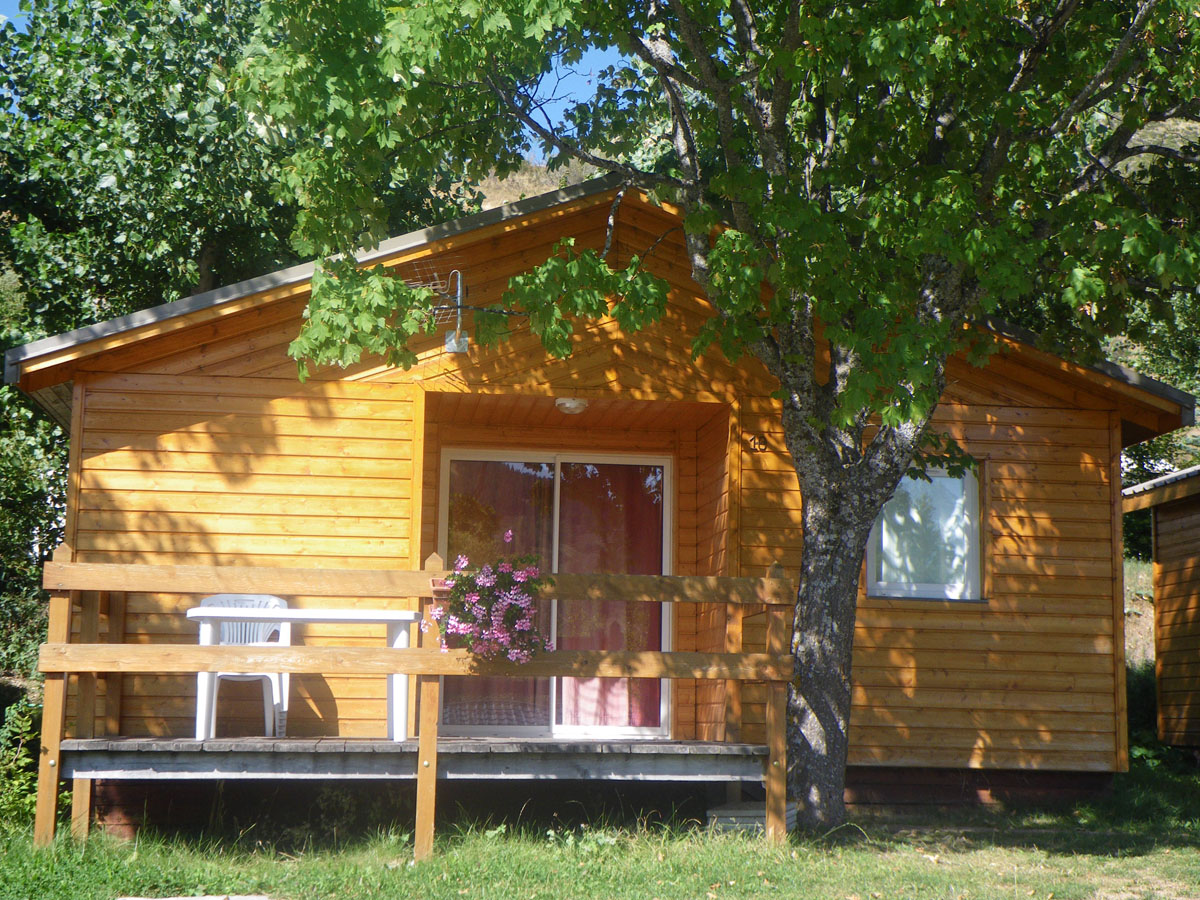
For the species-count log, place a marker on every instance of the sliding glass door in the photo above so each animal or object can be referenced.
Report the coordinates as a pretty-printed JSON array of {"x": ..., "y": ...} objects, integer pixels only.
[{"x": 581, "y": 514}]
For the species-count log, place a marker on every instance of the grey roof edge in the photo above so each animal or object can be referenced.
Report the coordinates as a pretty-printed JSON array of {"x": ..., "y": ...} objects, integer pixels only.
[
  {"x": 1115, "y": 371},
  {"x": 299, "y": 273},
  {"x": 302, "y": 272},
  {"x": 1161, "y": 481}
]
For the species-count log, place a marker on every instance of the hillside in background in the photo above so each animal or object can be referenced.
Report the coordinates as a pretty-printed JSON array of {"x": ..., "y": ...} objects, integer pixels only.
[{"x": 530, "y": 180}]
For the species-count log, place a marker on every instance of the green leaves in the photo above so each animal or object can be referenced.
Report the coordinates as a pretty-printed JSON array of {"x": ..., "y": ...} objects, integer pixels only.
[
  {"x": 356, "y": 311},
  {"x": 927, "y": 162},
  {"x": 571, "y": 285},
  {"x": 131, "y": 177}
]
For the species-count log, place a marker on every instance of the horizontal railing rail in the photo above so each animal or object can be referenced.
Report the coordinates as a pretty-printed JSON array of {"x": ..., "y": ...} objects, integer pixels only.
[
  {"x": 400, "y": 583},
  {"x": 82, "y": 585},
  {"x": 167, "y": 659}
]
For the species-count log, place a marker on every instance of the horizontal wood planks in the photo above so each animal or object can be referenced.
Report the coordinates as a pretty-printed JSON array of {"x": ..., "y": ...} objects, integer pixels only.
[
  {"x": 713, "y": 512},
  {"x": 207, "y": 469},
  {"x": 1177, "y": 619},
  {"x": 1024, "y": 679},
  {"x": 199, "y": 446}
]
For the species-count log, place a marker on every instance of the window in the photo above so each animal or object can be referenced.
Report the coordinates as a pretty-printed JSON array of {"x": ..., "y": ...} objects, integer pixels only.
[
  {"x": 925, "y": 542},
  {"x": 581, "y": 513}
]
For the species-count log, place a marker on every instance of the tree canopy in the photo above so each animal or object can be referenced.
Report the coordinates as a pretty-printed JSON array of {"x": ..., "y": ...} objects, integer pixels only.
[
  {"x": 887, "y": 170},
  {"x": 129, "y": 176}
]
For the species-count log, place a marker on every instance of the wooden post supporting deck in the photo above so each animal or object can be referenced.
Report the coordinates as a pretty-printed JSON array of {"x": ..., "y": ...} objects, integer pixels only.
[
  {"x": 429, "y": 688},
  {"x": 734, "y": 613},
  {"x": 733, "y": 689},
  {"x": 85, "y": 715},
  {"x": 54, "y": 717},
  {"x": 113, "y": 680},
  {"x": 775, "y": 776}
]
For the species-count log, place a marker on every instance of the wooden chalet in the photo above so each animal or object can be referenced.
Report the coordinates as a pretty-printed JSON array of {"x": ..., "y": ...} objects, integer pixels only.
[
  {"x": 658, "y": 485},
  {"x": 1174, "y": 504}
]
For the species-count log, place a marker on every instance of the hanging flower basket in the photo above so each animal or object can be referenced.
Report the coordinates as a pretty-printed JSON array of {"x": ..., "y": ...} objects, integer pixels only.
[{"x": 491, "y": 611}]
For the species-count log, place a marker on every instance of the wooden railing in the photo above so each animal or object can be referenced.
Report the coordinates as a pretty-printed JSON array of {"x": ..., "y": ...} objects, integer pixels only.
[{"x": 84, "y": 586}]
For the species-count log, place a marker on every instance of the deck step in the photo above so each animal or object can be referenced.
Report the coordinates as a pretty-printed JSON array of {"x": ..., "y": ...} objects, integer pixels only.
[{"x": 745, "y": 816}]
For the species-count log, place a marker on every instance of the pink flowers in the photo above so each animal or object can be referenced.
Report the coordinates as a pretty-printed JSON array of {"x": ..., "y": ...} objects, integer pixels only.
[{"x": 492, "y": 611}]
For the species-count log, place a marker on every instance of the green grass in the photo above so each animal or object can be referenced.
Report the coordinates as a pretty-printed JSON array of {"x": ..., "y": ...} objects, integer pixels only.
[
  {"x": 872, "y": 863},
  {"x": 1141, "y": 841}
]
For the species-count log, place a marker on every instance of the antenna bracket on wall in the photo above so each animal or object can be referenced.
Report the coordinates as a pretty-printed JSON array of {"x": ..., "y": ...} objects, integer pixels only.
[{"x": 457, "y": 342}]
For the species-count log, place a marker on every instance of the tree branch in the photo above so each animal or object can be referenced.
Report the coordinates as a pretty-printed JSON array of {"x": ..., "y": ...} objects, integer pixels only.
[
  {"x": 632, "y": 173},
  {"x": 662, "y": 59},
  {"x": 745, "y": 26},
  {"x": 611, "y": 228},
  {"x": 1159, "y": 150},
  {"x": 662, "y": 62},
  {"x": 719, "y": 91},
  {"x": 1115, "y": 59},
  {"x": 997, "y": 146},
  {"x": 1043, "y": 33},
  {"x": 775, "y": 126}
]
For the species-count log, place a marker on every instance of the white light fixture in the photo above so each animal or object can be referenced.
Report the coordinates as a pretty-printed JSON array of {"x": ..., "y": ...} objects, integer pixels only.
[{"x": 572, "y": 406}]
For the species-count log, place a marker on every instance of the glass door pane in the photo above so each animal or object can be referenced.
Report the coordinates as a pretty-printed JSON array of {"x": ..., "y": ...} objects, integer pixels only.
[
  {"x": 487, "y": 498},
  {"x": 610, "y": 521}
]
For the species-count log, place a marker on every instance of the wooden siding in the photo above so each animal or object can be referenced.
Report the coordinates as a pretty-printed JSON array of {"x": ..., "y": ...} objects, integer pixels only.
[
  {"x": 714, "y": 509},
  {"x": 1177, "y": 620},
  {"x": 200, "y": 445},
  {"x": 1027, "y": 678},
  {"x": 250, "y": 471}
]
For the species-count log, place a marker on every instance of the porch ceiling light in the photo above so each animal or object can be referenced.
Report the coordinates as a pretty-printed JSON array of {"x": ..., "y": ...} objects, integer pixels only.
[{"x": 572, "y": 406}]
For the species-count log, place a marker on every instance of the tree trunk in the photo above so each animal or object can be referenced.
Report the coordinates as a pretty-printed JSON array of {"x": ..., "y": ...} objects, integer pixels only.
[
  {"x": 837, "y": 527},
  {"x": 205, "y": 260}
]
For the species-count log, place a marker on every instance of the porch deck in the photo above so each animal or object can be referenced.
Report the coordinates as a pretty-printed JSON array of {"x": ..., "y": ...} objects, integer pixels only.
[
  {"x": 378, "y": 759},
  {"x": 97, "y": 750}
]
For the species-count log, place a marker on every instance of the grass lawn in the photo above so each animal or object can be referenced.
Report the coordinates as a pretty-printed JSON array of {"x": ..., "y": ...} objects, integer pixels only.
[{"x": 1143, "y": 841}]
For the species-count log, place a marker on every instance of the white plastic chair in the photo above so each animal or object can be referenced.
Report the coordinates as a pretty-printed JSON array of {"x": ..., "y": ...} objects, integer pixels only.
[{"x": 254, "y": 634}]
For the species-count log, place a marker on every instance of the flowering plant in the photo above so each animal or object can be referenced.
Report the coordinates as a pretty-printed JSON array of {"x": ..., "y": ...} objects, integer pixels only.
[{"x": 490, "y": 611}]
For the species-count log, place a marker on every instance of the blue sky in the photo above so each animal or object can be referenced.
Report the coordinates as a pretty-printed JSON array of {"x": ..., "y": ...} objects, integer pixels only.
[{"x": 8, "y": 9}]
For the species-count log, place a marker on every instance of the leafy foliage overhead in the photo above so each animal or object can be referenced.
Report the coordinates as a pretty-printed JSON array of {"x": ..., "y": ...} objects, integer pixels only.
[
  {"x": 856, "y": 149},
  {"x": 129, "y": 175}
]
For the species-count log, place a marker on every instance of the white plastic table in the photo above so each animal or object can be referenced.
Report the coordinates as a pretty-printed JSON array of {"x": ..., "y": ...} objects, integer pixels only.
[{"x": 397, "y": 621}]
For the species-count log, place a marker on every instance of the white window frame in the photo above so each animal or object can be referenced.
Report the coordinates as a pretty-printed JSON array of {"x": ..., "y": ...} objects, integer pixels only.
[
  {"x": 969, "y": 591},
  {"x": 594, "y": 732}
]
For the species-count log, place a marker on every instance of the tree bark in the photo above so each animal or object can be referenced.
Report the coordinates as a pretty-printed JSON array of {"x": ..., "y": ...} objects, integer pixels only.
[{"x": 836, "y": 531}]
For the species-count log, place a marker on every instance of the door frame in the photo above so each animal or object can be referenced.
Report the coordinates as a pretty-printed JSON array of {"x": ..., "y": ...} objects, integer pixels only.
[{"x": 555, "y": 458}]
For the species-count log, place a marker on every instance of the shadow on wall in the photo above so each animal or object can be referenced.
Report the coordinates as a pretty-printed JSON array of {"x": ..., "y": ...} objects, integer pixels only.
[{"x": 247, "y": 471}]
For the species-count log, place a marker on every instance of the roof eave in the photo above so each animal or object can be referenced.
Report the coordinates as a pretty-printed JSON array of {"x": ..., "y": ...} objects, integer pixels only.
[
  {"x": 17, "y": 356},
  {"x": 1172, "y": 486},
  {"x": 1185, "y": 401}
]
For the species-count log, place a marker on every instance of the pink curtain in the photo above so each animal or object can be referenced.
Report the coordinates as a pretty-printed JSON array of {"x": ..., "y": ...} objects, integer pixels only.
[
  {"x": 610, "y": 521},
  {"x": 487, "y": 498}
]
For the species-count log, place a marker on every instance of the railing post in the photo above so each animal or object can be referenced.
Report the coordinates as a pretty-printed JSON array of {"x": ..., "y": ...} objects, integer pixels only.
[
  {"x": 85, "y": 715},
  {"x": 775, "y": 777},
  {"x": 734, "y": 614},
  {"x": 733, "y": 689},
  {"x": 113, "y": 683},
  {"x": 429, "y": 688},
  {"x": 54, "y": 716}
]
